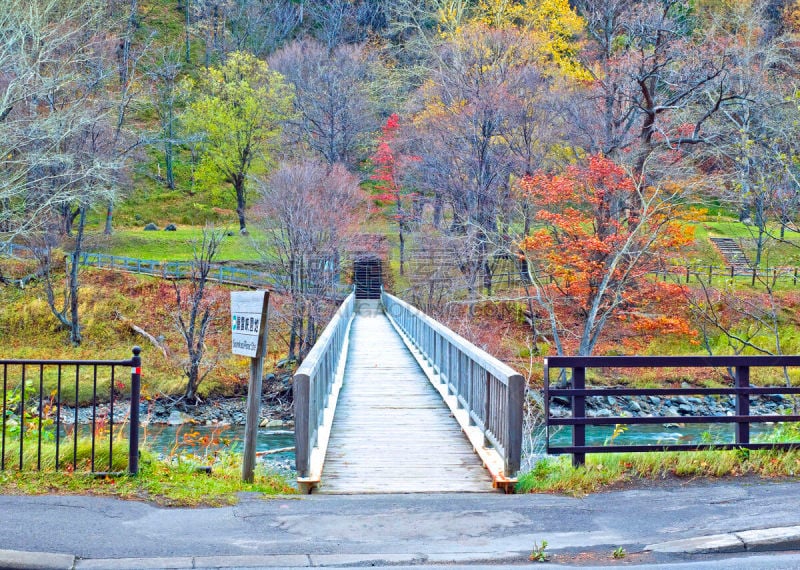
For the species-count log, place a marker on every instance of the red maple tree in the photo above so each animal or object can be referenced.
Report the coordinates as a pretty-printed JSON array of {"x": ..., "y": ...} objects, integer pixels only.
[
  {"x": 600, "y": 237},
  {"x": 386, "y": 174}
]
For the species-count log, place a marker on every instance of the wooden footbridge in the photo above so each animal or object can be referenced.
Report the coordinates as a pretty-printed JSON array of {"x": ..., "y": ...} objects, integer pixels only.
[{"x": 391, "y": 401}]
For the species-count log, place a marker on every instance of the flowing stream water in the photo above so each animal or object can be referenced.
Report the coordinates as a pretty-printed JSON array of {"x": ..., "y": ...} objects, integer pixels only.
[{"x": 166, "y": 440}]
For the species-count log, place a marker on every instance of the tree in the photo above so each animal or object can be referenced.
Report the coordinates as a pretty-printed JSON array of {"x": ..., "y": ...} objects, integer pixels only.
[
  {"x": 309, "y": 211},
  {"x": 165, "y": 95},
  {"x": 386, "y": 174},
  {"x": 196, "y": 311},
  {"x": 261, "y": 26},
  {"x": 62, "y": 143},
  {"x": 238, "y": 111},
  {"x": 333, "y": 113},
  {"x": 593, "y": 253},
  {"x": 756, "y": 152},
  {"x": 457, "y": 131},
  {"x": 657, "y": 83}
]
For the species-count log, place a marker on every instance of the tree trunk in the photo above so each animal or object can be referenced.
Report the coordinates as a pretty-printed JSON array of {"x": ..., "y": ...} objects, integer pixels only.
[
  {"x": 402, "y": 249},
  {"x": 75, "y": 327},
  {"x": 168, "y": 150},
  {"x": 109, "y": 219},
  {"x": 241, "y": 204},
  {"x": 188, "y": 54}
]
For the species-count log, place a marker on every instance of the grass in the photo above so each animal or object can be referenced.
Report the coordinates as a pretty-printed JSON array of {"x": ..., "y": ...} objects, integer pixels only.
[
  {"x": 775, "y": 253},
  {"x": 109, "y": 303},
  {"x": 177, "y": 245},
  {"x": 607, "y": 470},
  {"x": 610, "y": 469},
  {"x": 172, "y": 482}
]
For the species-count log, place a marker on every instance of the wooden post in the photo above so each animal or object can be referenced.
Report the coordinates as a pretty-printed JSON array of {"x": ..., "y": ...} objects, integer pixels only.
[
  {"x": 253, "y": 413},
  {"x": 742, "y": 405},
  {"x": 515, "y": 413},
  {"x": 302, "y": 429},
  {"x": 249, "y": 338},
  {"x": 579, "y": 412}
]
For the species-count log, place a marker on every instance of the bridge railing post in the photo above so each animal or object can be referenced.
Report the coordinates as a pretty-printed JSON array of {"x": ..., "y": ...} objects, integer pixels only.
[
  {"x": 302, "y": 394},
  {"x": 515, "y": 404}
]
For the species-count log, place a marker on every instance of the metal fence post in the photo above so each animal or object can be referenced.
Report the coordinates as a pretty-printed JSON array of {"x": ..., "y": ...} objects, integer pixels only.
[
  {"x": 742, "y": 404},
  {"x": 133, "y": 437},
  {"x": 579, "y": 412}
]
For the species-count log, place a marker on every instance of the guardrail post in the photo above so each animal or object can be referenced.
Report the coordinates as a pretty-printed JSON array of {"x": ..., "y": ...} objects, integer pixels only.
[
  {"x": 133, "y": 437},
  {"x": 742, "y": 404},
  {"x": 514, "y": 412},
  {"x": 302, "y": 395},
  {"x": 579, "y": 412}
]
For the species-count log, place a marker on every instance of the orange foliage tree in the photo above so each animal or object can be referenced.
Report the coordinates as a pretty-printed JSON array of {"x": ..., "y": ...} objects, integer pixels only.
[{"x": 591, "y": 256}]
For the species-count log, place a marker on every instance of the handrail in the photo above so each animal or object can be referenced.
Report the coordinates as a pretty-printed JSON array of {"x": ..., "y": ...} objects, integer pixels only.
[
  {"x": 741, "y": 391},
  {"x": 29, "y": 418},
  {"x": 314, "y": 383},
  {"x": 491, "y": 392}
]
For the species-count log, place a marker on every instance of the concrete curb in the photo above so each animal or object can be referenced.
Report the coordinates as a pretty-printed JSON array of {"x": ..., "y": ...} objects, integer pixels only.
[
  {"x": 18, "y": 560},
  {"x": 760, "y": 540},
  {"x": 21, "y": 560}
]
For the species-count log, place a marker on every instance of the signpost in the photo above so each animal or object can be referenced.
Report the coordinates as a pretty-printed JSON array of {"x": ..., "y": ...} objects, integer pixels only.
[{"x": 249, "y": 338}]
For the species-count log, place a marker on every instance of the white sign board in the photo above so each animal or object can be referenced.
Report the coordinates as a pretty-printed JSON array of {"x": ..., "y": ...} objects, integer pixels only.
[{"x": 248, "y": 321}]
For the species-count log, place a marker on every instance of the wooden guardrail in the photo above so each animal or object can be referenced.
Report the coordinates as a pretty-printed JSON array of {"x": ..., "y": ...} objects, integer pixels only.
[
  {"x": 741, "y": 390},
  {"x": 316, "y": 389},
  {"x": 489, "y": 392},
  {"x": 179, "y": 269}
]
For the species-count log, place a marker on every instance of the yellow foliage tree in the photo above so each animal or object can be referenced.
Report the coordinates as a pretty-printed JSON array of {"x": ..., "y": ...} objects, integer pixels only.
[
  {"x": 552, "y": 27},
  {"x": 237, "y": 112}
]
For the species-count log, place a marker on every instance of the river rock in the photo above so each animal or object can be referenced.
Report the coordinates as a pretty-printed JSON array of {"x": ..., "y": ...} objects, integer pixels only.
[
  {"x": 634, "y": 407},
  {"x": 177, "y": 418},
  {"x": 687, "y": 409}
]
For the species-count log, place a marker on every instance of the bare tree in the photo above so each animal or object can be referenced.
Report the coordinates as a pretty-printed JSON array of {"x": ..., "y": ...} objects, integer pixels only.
[
  {"x": 465, "y": 163},
  {"x": 656, "y": 87},
  {"x": 334, "y": 116},
  {"x": 262, "y": 26},
  {"x": 309, "y": 210},
  {"x": 165, "y": 95},
  {"x": 196, "y": 312}
]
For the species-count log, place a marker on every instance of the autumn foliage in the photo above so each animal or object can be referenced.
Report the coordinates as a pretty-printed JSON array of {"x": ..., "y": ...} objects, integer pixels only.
[{"x": 599, "y": 242}]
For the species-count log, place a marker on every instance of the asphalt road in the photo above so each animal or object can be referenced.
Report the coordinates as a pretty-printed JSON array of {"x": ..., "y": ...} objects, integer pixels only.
[{"x": 406, "y": 529}]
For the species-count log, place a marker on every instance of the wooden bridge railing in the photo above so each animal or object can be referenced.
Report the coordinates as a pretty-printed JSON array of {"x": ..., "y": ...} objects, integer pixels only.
[
  {"x": 741, "y": 390},
  {"x": 314, "y": 384},
  {"x": 491, "y": 392}
]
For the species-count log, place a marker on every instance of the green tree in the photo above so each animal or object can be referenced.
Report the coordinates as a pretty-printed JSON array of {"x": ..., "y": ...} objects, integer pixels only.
[{"x": 237, "y": 110}]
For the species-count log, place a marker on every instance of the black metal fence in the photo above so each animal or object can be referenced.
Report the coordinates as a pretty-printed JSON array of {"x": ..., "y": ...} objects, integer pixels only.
[
  {"x": 44, "y": 425},
  {"x": 741, "y": 391}
]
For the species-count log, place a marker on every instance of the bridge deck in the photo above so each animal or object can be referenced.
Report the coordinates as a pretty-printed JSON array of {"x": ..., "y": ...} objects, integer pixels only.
[{"x": 392, "y": 433}]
